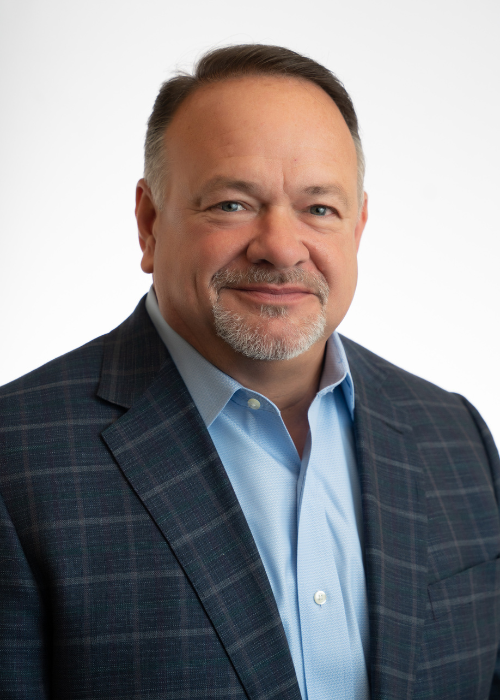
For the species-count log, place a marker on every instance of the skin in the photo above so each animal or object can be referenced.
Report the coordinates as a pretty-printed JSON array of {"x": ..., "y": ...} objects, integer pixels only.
[{"x": 284, "y": 135}]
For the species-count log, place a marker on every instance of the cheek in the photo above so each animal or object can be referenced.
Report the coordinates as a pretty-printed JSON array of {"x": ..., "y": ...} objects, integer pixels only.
[
  {"x": 172, "y": 270},
  {"x": 217, "y": 249},
  {"x": 186, "y": 261},
  {"x": 338, "y": 263},
  {"x": 339, "y": 266}
]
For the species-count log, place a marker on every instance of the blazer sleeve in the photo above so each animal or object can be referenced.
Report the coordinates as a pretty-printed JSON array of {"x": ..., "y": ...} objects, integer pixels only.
[
  {"x": 24, "y": 667},
  {"x": 494, "y": 460}
]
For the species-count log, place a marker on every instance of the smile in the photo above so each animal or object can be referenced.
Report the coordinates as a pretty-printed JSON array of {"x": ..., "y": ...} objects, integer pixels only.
[{"x": 264, "y": 294}]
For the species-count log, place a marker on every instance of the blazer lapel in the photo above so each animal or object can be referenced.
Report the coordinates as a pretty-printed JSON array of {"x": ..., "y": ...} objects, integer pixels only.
[
  {"x": 395, "y": 530},
  {"x": 166, "y": 454}
]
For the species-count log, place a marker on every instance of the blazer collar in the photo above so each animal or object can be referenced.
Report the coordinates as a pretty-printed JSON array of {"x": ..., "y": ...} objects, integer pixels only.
[
  {"x": 133, "y": 356},
  {"x": 395, "y": 525}
]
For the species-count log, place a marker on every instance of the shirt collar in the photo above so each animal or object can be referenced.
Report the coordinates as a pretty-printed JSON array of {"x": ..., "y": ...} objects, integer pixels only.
[{"x": 211, "y": 389}]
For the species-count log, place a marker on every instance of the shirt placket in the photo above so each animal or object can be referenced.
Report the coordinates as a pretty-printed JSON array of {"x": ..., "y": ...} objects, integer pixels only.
[{"x": 325, "y": 634}]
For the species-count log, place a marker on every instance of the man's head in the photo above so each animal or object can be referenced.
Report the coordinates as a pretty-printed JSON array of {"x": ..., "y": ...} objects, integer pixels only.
[{"x": 251, "y": 210}]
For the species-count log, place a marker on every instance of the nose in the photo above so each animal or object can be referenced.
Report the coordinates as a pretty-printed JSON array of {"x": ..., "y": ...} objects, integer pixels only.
[{"x": 277, "y": 240}]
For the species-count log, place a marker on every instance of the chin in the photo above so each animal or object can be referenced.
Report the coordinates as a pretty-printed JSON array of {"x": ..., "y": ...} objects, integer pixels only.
[{"x": 270, "y": 336}]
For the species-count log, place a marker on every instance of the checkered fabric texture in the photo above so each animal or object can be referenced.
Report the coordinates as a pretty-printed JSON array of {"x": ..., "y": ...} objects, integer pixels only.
[{"x": 127, "y": 569}]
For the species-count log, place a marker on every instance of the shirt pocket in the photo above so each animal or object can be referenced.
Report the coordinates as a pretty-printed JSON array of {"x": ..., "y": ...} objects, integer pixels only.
[{"x": 477, "y": 585}]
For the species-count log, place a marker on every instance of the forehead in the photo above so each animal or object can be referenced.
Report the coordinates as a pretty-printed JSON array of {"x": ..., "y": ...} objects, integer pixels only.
[
  {"x": 261, "y": 121},
  {"x": 257, "y": 91}
]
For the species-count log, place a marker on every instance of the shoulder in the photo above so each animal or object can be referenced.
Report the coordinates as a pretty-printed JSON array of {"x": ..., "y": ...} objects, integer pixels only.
[
  {"x": 48, "y": 412},
  {"x": 439, "y": 419},
  {"x": 77, "y": 371},
  {"x": 401, "y": 386},
  {"x": 39, "y": 406},
  {"x": 76, "y": 396},
  {"x": 76, "y": 375},
  {"x": 50, "y": 420}
]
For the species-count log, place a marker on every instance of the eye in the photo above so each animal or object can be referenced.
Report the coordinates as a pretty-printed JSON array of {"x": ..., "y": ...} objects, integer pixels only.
[
  {"x": 320, "y": 209},
  {"x": 229, "y": 206}
]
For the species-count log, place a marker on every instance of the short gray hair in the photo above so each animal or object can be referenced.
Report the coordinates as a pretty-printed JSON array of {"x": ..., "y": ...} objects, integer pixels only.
[{"x": 239, "y": 61}]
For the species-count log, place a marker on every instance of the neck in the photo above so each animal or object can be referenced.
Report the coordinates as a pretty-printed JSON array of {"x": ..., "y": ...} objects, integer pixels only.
[{"x": 290, "y": 384}]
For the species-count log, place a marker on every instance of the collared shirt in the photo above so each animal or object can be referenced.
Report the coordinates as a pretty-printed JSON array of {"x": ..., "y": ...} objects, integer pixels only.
[{"x": 304, "y": 514}]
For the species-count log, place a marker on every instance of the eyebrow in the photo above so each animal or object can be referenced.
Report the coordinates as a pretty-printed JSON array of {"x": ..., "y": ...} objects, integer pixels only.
[
  {"x": 330, "y": 188},
  {"x": 253, "y": 189}
]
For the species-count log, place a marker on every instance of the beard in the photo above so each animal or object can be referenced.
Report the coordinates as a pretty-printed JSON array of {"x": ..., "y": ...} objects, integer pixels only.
[{"x": 256, "y": 338}]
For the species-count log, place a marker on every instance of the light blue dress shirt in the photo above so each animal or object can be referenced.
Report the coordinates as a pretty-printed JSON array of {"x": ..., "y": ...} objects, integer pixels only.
[{"x": 304, "y": 515}]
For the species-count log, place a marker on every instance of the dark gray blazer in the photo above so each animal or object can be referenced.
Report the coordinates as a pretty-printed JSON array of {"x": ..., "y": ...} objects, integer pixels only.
[{"x": 127, "y": 568}]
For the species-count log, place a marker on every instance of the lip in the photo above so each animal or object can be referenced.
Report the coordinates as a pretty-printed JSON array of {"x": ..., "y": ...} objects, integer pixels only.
[{"x": 270, "y": 294}]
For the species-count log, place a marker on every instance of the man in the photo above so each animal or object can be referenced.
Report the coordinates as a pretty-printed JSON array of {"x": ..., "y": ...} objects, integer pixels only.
[{"x": 223, "y": 497}]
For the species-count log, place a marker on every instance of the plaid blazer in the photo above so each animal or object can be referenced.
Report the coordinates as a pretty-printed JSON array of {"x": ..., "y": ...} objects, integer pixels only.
[{"x": 129, "y": 571}]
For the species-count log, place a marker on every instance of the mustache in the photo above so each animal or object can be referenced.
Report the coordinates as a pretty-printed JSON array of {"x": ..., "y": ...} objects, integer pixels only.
[{"x": 315, "y": 283}]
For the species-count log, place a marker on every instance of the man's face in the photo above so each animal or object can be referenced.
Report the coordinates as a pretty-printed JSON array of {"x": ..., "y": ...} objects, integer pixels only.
[{"x": 254, "y": 250}]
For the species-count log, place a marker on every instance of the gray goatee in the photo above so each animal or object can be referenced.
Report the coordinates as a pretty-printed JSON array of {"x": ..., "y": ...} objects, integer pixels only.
[{"x": 252, "y": 338}]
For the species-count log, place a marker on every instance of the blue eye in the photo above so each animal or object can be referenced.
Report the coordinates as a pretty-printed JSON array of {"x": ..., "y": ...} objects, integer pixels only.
[
  {"x": 321, "y": 210},
  {"x": 231, "y": 206}
]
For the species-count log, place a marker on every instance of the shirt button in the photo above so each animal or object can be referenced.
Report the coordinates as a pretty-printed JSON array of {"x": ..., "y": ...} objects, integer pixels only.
[
  {"x": 253, "y": 403},
  {"x": 320, "y": 597}
]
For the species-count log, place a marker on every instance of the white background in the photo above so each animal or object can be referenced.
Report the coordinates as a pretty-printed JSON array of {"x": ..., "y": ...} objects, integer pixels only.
[{"x": 78, "y": 80}]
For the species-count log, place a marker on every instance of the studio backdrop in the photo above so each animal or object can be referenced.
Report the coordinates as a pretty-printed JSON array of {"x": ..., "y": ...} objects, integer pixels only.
[{"x": 78, "y": 81}]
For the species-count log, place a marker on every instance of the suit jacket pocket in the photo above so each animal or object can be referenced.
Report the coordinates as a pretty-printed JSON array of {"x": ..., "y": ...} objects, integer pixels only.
[{"x": 472, "y": 586}]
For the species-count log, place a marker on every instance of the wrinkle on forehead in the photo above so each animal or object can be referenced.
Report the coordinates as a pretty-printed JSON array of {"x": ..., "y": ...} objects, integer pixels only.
[
  {"x": 256, "y": 189},
  {"x": 284, "y": 125}
]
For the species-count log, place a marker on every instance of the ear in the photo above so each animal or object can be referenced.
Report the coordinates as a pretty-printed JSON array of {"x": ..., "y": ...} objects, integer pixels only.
[
  {"x": 362, "y": 219},
  {"x": 146, "y": 214}
]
